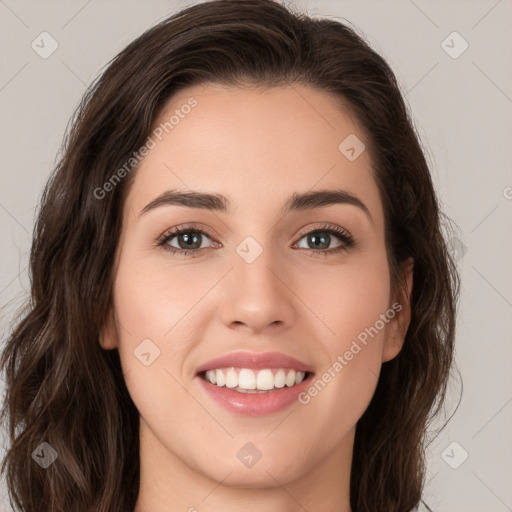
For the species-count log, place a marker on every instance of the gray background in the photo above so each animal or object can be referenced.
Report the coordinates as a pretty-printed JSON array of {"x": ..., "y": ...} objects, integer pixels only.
[{"x": 462, "y": 109}]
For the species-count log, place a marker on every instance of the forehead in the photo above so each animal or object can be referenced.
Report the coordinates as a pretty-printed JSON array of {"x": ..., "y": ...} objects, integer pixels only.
[{"x": 255, "y": 146}]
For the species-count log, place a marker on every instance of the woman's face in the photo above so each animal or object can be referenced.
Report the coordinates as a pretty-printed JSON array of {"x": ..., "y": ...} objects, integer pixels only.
[{"x": 264, "y": 277}]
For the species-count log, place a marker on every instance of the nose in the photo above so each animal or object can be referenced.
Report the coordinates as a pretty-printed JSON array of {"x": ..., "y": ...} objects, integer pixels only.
[{"x": 258, "y": 295}]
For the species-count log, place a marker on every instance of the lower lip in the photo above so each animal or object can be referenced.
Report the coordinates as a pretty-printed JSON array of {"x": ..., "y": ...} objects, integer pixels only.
[{"x": 255, "y": 404}]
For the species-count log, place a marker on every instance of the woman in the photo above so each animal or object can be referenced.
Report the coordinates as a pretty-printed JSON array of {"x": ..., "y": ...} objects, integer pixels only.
[{"x": 241, "y": 294}]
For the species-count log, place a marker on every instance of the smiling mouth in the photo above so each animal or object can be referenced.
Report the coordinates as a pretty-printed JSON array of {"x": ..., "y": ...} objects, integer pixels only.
[{"x": 247, "y": 380}]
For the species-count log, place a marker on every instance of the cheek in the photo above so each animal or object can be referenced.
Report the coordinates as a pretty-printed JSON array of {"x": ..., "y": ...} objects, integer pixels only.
[
  {"x": 352, "y": 303},
  {"x": 153, "y": 317},
  {"x": 152, "y": 299},
  {"x": 341, "y": 391},
  {"x": 346, "y": 298},
  {"x": 160, "y": 311}
]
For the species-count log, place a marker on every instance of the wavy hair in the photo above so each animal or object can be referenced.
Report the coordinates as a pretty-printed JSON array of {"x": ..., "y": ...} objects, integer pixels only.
[{"x": 64, "y": 389}]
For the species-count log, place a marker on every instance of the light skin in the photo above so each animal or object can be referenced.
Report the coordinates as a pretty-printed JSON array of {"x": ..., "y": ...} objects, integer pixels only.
[{"x": 256, "y": 147}]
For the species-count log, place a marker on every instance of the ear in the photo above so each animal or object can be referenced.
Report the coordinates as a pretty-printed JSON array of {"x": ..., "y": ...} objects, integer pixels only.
[
  {"x": 108, "y": 337},
  {"x": 398, "y": 325}
]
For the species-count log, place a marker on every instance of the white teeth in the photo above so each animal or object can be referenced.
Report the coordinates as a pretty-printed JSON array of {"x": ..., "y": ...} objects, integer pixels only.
[
  {"x": 211, "y": 375},
  {"x": 231, "y": 379},
  {"x": 290, "y": 378},
  {"x": 280, "y": 379},
  {"x": 246, "y": 380},
  {"x": 219, "y": 377},
  {"x": 265, "y": 380}
]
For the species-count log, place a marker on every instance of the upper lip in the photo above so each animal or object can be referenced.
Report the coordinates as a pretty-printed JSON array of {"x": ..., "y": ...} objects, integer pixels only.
[{"x": 255, "y": 361}]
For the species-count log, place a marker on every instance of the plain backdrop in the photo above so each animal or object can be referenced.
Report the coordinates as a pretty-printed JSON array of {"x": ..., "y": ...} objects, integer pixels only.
[{"x": 461, "y": 101}]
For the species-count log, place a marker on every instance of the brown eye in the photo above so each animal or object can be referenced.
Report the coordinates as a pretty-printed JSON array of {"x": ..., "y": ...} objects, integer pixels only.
[
  {"x": 185, "y": 240},
  {"x": 318, "y": 240}
]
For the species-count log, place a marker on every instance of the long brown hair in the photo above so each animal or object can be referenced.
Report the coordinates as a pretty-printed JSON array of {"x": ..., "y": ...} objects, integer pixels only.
[{"x": 64, "y": 389}]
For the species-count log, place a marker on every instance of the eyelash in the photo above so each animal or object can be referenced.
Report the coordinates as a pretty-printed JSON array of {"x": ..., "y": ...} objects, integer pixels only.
[{"x": 345, "y": 237}]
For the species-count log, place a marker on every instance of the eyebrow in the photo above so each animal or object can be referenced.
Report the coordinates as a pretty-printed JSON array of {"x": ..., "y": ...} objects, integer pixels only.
[{"x": 219, "y": 203}]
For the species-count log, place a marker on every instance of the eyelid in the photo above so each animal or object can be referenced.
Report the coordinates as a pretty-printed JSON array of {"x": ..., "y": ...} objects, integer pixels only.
[{"x": 324, "y": 225}]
